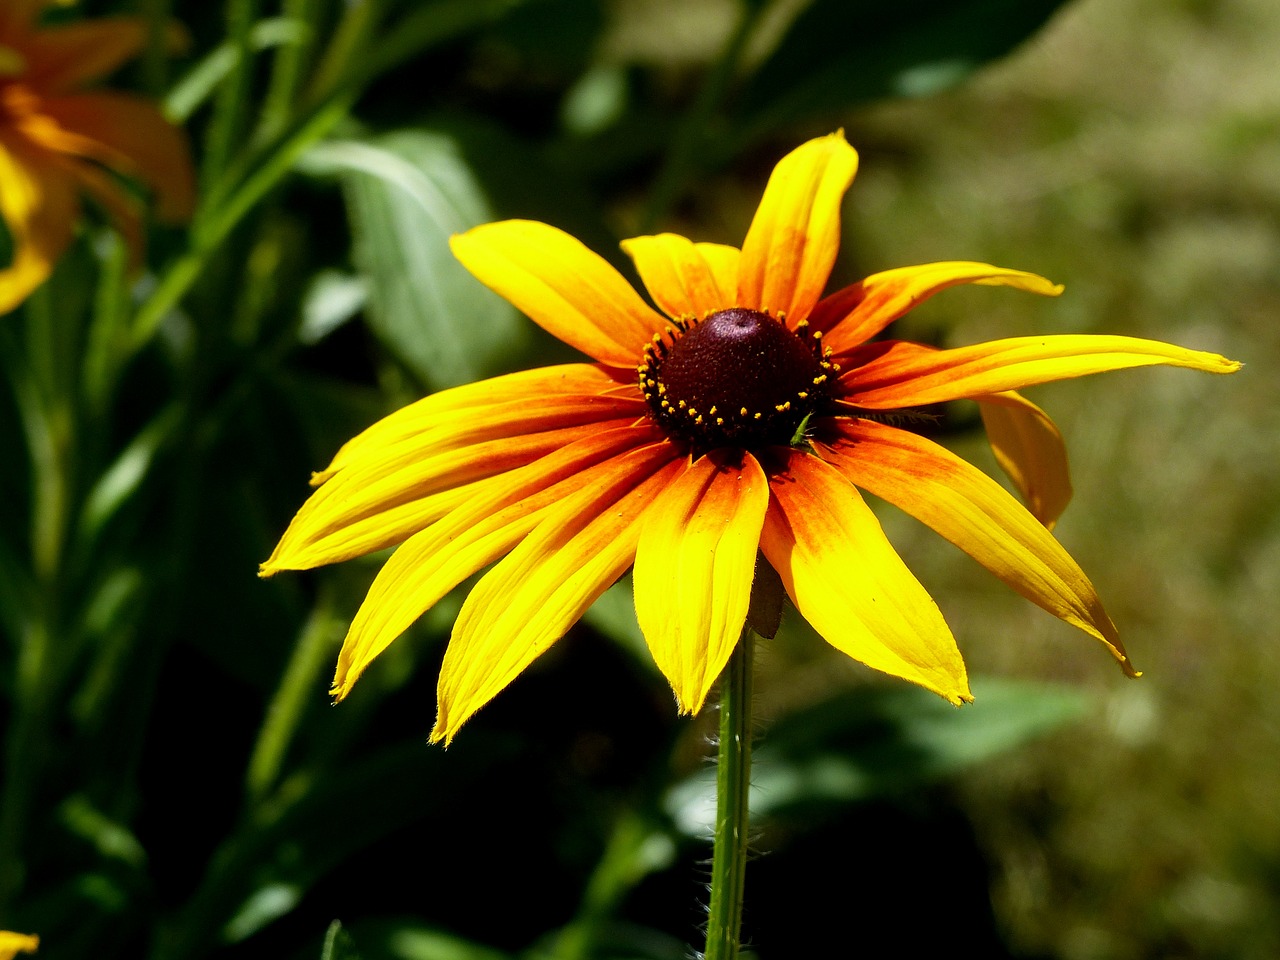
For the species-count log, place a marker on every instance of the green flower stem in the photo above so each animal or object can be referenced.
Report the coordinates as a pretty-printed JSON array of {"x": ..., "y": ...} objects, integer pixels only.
[
  {"x": 289, "y": 66},
  {"x": 229, "y": 113},
  {"x": 311, "y": 655},
  {"x": 733, "y": 781},
  {"x": 693, "y": 137}
]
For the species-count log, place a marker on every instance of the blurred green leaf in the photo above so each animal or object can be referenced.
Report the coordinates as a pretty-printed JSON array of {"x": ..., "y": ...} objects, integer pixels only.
[
  {"x": 838, "y": 54},
  {"x": 407, "y": 193},
  {"x": 877, "y": 742},
  {"x": 338, "y": 945},
  {"x": 407, "y": 940}
]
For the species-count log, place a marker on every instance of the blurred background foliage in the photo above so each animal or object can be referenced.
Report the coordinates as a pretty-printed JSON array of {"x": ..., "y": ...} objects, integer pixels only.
[{"x": 175, "y": 783}]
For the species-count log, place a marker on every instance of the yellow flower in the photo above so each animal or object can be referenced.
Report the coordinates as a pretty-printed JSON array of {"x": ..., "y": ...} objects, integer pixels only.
[
  {"x": 57, "y": 141},
  {"x": 12, "y": 944},
  {"x": 743, "y": 420}
]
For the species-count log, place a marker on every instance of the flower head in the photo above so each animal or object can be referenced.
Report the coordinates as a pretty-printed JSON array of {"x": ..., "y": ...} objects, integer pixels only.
[
  {"x": 741, "y": 419},
  {"x": 58, "y": 140}
]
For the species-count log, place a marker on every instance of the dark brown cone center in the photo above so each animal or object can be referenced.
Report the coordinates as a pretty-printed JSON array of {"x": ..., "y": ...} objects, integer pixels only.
[{"x": 737, "y": 378}]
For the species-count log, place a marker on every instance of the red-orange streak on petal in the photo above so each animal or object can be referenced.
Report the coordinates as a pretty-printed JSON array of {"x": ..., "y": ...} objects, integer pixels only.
[
  {"x": 455, "y": 408},
  {"x": 528, "y": 601},
  {"x": 694, "y": 566},
  {"x": 848, "y": 582},
  {"x": 895, "y": 374},
  {"x": 975, "y": 513},
  {"x": 793, "y": 239},
  {"x": 378, "y": 503},
  {"x": 858, "y": 312},
  {"x": 478, "y": 530}
]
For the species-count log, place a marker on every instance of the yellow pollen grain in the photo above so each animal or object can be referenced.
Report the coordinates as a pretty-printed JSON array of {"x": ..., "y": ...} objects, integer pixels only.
[
  {"x": 803, "y": 394},
  {"x": 757, "y": 416},
  {"x": 819, "y": 381},
  {"x": 742, "y": 412},
  {"x": 719, "y": 421},
  {"x": 681, "y": 404},
  {"x": 783, "y": 407},
  {"x": 712, "y": 411}
]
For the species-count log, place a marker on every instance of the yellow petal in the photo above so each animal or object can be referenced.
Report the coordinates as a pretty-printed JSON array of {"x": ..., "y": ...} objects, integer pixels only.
[
  {"x": 40, "y": 207},
  {"x": 975, "y": 513},
  {"x": 12, "y": 944},
  {"x": 894, "y": 374},
  {"x": 1029, "y": 448},
  {"x": 682, "y": 277},
  {"x": 477, "y": 531},
  {"x": 793, "y": 239},
  {"x": 130, "y": 135},
  {"x": 848, "y": 582},
  {"x": 463, "y": 403},
  {"x": 694, "y": 566},
  {"x": 858, "y": 312},
  {"x": 72, "y": 54},
  {"x": 390, "y": 490},
  {"x": 528, "y": 601},
  {"x": 562, "y": 286}
]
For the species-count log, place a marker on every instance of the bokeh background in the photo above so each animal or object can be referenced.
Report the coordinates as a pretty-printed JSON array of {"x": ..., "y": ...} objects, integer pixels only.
[{"x": 194, "y": 794}]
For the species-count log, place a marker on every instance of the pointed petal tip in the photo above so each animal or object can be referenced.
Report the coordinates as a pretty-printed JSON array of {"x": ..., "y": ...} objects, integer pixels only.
[{"x": 267, "y": 569}]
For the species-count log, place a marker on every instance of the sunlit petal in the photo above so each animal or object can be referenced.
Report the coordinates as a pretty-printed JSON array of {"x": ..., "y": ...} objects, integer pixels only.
[
  {"x": 858, "y": 312},
  {"x": 483, "y": 527},
  {"x": 12, "y": 944},
  {"x": 363, "y": 502},
  {"x": 885, "y": 376},
  {"x": 795, "y": 235},
  {"x": 682, "y": 277},
  {"x": 694, "y": 566},
  {"x": 458, "y": 406},
  {"x": 40, "y": 208},
  {"x": 848, "y": 582},
  {"x": 562, "y": 286},
  {"x": 528, "y": 601},
  {"x": 1030, "y": 449},
  {"x": 976, "y": 514}
]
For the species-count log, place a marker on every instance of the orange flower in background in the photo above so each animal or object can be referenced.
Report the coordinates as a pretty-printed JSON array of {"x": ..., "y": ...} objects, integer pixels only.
[
  {"x": 58, "y": 141},
  {"x": 741, "y": 419}
]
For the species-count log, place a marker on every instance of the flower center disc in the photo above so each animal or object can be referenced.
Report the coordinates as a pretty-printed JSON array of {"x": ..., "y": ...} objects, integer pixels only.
[{"x": 737, "y": 378}]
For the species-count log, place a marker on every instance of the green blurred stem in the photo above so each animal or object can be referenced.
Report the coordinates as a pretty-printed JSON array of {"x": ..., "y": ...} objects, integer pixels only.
[
  {"x": 301, "y": 678},
  {"x": 229, "y": 112},
  {"x": 155, "y": 61},
  {"x": 621, "y": 866},
  {"x": 44, "y": 394},
  {"x": 289, "y": 65},
  {"x": 733, "y": 781},
  {"x": 207, "y": 235},
  {"x": 692, "y": 138}
]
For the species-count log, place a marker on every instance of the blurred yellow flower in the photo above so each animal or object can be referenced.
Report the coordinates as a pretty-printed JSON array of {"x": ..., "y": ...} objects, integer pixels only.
[
  {"x": 57, "y": 140},
  {"x": 742, "y": 421},
  {"x": 12, "y": 944}
]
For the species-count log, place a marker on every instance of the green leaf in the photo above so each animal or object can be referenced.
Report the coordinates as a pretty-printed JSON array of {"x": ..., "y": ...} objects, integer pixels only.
[
  {"x": 407, "y": 193},
  {"x": 878, "y": 742},
  {"x": 838, "y": 54},
  {"x": 338, "y": 945}
]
